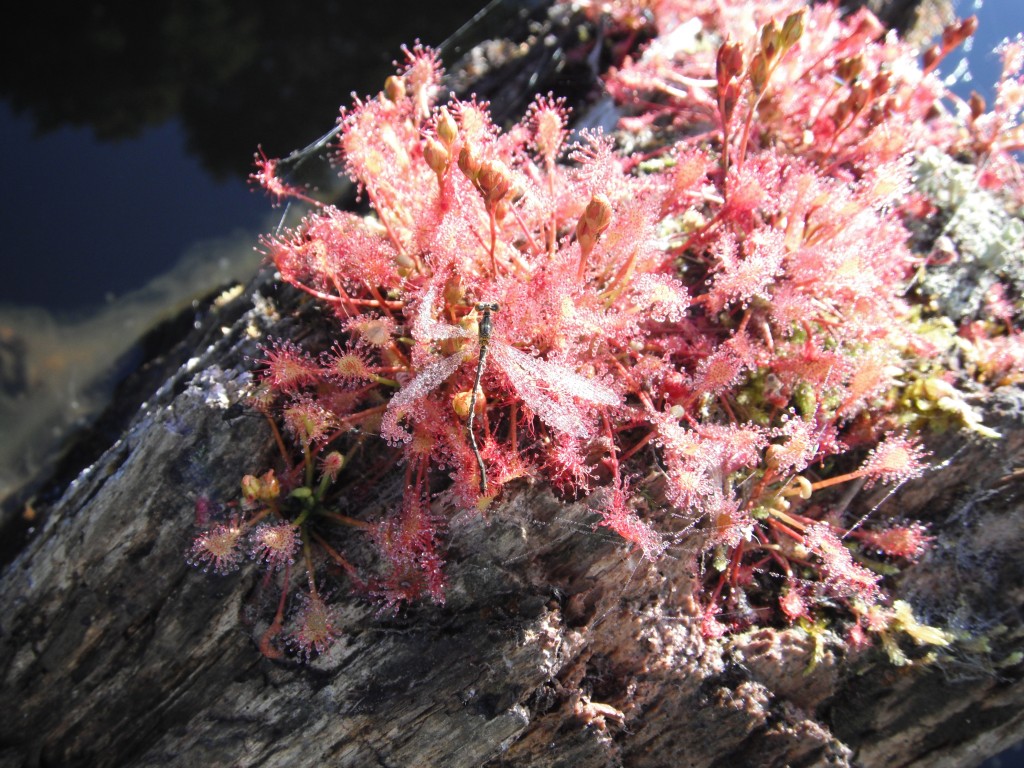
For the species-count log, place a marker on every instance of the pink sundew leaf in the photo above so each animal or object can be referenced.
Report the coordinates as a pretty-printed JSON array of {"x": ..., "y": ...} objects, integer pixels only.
[
  {"x": 421, "y": 385},
  {"x": 742, "y": 279},
  {"x": 567, "y": 465},
  {"x": 548, "y": 388},
  {"x": 801, "y": 443},
  {"x": 217, "y": 549},
  {"x": 318, "y": 626},
  {"x": 426, "y": 329},
  {"x": 665, "y": 297},
  {"x": 907, "y": 541},
  {"x": 839, "y": 570},
  {"x": 718, "y": 371},
  {"x": 618, "y": 515},
  {"x": 897, "y": 458}
]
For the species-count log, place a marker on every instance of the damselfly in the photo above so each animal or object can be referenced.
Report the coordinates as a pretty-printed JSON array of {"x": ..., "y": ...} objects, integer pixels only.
[
  {"x": 549, "y": 389},
  {"x": 483, "y": 340}
]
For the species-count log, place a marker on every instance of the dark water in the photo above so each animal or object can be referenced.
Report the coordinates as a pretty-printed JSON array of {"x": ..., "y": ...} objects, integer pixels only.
[{"x": 128, "y": 129}]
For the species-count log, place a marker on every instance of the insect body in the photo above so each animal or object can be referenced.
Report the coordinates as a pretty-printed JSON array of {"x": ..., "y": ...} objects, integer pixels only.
[
  {"x": 484, "y": 340},
  {"x": 549, "y": 389}
]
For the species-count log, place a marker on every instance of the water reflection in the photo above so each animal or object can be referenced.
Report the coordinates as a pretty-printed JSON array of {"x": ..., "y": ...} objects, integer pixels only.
[
  {"x": 56, "y": 373},
  {"x": 92, "y": 220},
  {"x": 234, "y": 74}
]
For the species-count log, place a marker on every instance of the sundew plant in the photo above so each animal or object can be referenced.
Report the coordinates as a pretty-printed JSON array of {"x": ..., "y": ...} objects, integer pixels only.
[{"x": 713, "y": 323}]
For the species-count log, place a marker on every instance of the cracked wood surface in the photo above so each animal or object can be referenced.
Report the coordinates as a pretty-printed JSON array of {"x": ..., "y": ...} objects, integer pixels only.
[{"x": 556, "y": 646}]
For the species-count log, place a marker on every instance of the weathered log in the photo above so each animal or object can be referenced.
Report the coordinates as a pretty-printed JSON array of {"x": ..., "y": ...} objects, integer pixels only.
[{"x": 555, "y": 646}]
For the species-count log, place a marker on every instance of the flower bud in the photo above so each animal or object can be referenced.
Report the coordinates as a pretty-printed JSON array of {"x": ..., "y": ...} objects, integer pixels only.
[
  {"x": 447, "y": 128},
  {"x": 469, "y": 163},
  {"x": 859, "y": 95},
  {"x": 848, "y": 69},
  {"x": 405, "y": 263},
  {"x": 437, "y": 157},
  {"x": 494, "y": 181},
  {"x": 977, "y": 105},
  {"x": 958, "y": 31},
  {"x": 263, "y": 488},
  {"x": 842, "y": 112},
  {"x": 250, "y": 487},
  {"x": 461, "y": 403},
  {"x": 930, "y": 57},
  {"x": 454, "y": 290},
  {"x": 869, "y": 27},
  {"x": 594, "y": 221},
  {"x": 727, "y": 100},
  {"x": 759, "y": 72},
  {"x": 881, "y": 83},
  {"x": 771, "y": 39},
  {"x": 271, "y": 485},
  {"x": 728, "y": 62},
  {"x": 394, "y": 88},
  {"x": 793, "y": 28}
]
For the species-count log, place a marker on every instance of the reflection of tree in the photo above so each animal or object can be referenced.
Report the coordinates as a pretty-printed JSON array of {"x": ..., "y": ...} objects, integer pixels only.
[{"x": 238, "y": 74}]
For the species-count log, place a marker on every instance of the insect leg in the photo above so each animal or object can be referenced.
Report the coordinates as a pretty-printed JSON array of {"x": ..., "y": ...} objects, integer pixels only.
[
  {"x": 472, "y": 413},
  {"x": 485, "y": 337}
]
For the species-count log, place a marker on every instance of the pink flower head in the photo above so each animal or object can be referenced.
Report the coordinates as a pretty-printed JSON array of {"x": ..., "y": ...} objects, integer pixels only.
[
  {"x": 317, "y": 627},
  {"x": 287, "y": 367},
  {"x": 274, "y": 544},
  {"x": 217, "y": 549},
  {"x": 906, "y": 541},
  {"x": 898, "y": 458}
]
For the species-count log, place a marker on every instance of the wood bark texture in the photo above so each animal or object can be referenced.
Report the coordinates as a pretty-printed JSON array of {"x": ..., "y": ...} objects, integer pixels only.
[{"x": 556, "y": 646}]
